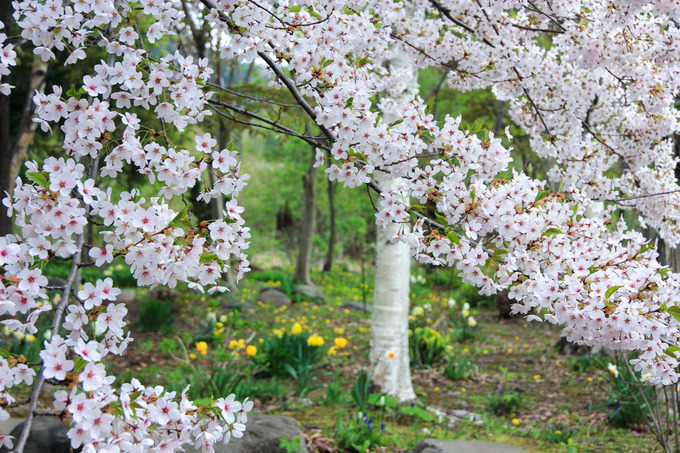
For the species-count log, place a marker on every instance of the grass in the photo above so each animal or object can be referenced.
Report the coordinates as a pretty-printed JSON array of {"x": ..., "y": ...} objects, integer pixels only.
[{"x": 556, "y": 391}]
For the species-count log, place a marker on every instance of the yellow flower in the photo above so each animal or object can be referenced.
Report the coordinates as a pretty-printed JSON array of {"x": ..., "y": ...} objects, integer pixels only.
[
  {"x": 233, "y": 344},
  {"x": 332, "y": 350},
  {"x": 558, "y": 432},
  {"x": 436, "y": 389},
  {"x": 590, "y": 379},
  {"x": 466, "y": 350},
  {"x": 509, "y": 350},
  {"x": 486, "y": 351},
  {"x": 340, "y": 342},
  {"x": 315, "y": 340},
  {"x": 537, "y": 376},
  {"x": 347, "y": 310},
  {"x": 296, "y": 329},
  {"x": 192, "y": 356},
  {"x": 339, "y": 330},
  {"x": 260, "y": 340},
  {"x": 202, "y": 347},
  {"x": 463, "y": 389},
  {"x": 241, "y": 343},
  {"x": 515, "y": 421},
  {"x": 251, "y": 350}
]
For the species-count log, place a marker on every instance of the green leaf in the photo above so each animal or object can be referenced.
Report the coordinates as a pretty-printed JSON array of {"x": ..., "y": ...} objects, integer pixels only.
[
  {"x": 541, "y": 195},
  {"x": 207, "y": 257},
  {"x": 672, "y": 351},
  {"x": 499, "y": 253},
  {"x": 38, "y": 178},
  {"x": 611, "y": 291},
  {"x": 441, "y": 219},
  {"x": 453, "y": 237},
  {"x": 399, "y": 121},
  {"x": 552, "y": 231},
  {"x": 176, "y": 222},
  {"x": 294, "y": 9},
  {"x": 674, "y": 311},
  {"x": 418, "y": 412}
]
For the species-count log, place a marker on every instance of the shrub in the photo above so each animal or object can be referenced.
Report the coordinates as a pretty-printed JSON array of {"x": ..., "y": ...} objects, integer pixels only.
[
  {"x": 507, "y": 402},
  {"x": 155, "y": 316}
]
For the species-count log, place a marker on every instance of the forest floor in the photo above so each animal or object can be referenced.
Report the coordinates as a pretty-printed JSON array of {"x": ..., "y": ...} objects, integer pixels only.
[{"x": 510, "y": 384}]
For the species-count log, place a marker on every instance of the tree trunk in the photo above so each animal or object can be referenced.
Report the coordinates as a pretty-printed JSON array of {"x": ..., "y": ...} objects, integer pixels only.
[
  {"x": 332, "y": 238},
  {"x": 389, "y": 323},
  {"x": 307, "y": 227},
  {"x": 27, "y": 127}
]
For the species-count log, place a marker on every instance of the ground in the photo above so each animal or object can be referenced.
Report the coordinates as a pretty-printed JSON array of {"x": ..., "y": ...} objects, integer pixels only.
[{"x": 515, "y": 386}]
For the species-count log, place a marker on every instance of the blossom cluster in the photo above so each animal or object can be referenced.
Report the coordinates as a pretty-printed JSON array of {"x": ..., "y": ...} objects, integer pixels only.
[
  {"x": 592, "y": 83},
  {"x": 104, "y": 133}
]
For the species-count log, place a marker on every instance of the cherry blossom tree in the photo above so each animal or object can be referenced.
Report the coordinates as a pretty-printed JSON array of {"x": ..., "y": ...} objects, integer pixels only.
[{"x": 593, "y": 83}]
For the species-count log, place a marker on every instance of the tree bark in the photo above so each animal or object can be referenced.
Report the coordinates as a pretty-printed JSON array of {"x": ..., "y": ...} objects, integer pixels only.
[
  {"x": 332, "y": 237},
  {"x": 308, "y": 227},
  {"x": 389, "y": 355}
]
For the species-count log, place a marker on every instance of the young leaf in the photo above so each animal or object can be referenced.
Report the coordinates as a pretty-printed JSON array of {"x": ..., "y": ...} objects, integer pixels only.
[{"x": 611, "y": 291}]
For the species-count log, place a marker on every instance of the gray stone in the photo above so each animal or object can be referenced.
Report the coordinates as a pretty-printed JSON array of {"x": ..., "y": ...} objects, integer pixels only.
[
  {"x": 48, "y": 435},
  {"x": 464, "y": 446},
  {"x": 243, "y": 308},
  {"x": 263, "y": 435},
  {"x": 355, "y": 306},
  {"x": 273, "y": 296},
  {"x": 308, "y": 293},
  {"x": 6, "y": 426}
]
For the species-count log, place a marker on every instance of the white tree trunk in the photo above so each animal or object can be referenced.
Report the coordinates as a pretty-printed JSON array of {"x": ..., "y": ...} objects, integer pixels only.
[
  {"x": 389, "y": 338},
  {"x": 389, "y": 335}
]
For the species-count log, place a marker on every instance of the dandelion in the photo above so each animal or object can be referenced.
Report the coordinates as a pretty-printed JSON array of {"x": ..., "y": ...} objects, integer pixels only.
[
  {"x": 486, "y": 351},
  {"x": 251, "y": 350},
  {"x": 332, "y": 350},
  {"x": 509, "y": 350},
  {"x": 590, "y": 379},
  {"x": 233, "y": 344},
  {"x": 436, "y": 389},
  {"x": 537, "y": 376},
  {"x": 515, "y": 421},
  {"x": 192, "y": 356},
  {"x": 340, "y": 342},
  {"x": 463, "y": 389},
  {"x": 202, "y": 347},
  {"x": 558, "y": 432}
]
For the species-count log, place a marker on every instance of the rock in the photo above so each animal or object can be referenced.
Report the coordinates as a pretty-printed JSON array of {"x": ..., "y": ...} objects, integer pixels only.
[
  {"x": 307, "y": 292},
  {"x": 355, "y": 306},
  {"x": 464, "y": 446},
  {"x": 242, "y": 307},
  {"x": 273, "y": 296},
  {"x": 263, "y": 435},
  {"x": 48, "y": 435}
]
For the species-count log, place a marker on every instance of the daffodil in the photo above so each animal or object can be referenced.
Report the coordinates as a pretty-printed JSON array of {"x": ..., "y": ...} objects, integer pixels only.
[{"x": 340, "y": 342}]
